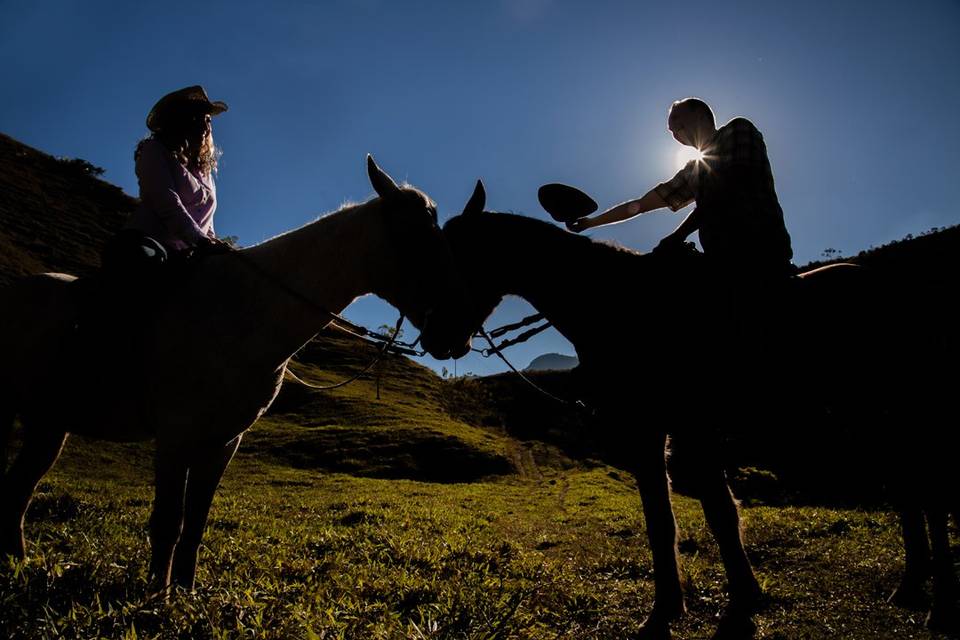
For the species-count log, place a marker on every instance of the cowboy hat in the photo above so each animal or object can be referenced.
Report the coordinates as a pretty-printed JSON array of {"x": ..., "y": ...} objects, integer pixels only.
[
  {"x": 187, "y": 98},
  {"x": 565, "y": 203}
]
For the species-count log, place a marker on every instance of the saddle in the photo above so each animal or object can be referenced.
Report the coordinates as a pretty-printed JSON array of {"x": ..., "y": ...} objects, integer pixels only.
[{"x": 136, "y": 278}]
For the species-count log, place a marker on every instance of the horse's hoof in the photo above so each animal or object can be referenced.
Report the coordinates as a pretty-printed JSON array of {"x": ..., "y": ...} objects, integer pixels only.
[
  {"x": 157, "y": 589},
  {"x": 185, "y": 580},
  {"x": 910, "y": 596},
  {"x": 735, "y": 627},
  {"x": 747, "y": 603},
  {"x": 13, "y": 545},
  {"x": 944, "y": 619},
  {"x": 653, "y": 629},
  {"x": 17, "y": 553},
  {"x": 657, "y": 625}
]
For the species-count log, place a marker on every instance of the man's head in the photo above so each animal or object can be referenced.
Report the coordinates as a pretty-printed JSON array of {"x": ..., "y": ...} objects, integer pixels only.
[{"x": 691, "y": 122}]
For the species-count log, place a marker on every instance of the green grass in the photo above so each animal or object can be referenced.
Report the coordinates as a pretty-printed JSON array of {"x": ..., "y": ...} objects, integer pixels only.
[
  {"x": 292, "y": 553},
  {"x": 422, "y": 515}
]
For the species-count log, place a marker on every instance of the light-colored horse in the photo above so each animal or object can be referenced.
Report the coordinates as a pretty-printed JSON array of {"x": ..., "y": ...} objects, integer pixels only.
[
  {"x": 633, "y": 319},
  {"x": 206, "y": 367}
]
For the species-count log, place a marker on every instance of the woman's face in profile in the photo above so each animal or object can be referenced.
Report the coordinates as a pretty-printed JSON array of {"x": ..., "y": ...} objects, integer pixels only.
[
  {"x": 197, "y": 126},
  {"x": 204, "y": 124}
]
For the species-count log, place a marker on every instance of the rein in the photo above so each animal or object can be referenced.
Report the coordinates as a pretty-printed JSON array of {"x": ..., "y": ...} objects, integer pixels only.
[
  {"x": 362, "y": 333},
  {"x": 383, "y": 349},
  {"x": 496, "y": 349}
]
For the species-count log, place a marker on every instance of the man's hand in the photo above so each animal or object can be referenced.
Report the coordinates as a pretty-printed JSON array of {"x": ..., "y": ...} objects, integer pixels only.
[
  {"x": 623, "y": 211},
  {"x": 670, "y": 243},
  {"x": 578, "y": 225}
]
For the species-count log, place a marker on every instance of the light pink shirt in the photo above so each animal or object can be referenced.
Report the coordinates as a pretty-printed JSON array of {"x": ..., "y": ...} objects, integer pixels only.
[{"x": 176, "y": 204}]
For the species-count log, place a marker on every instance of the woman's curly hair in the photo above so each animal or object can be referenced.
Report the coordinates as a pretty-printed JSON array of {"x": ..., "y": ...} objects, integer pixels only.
[{"x": 191, "y": 147}]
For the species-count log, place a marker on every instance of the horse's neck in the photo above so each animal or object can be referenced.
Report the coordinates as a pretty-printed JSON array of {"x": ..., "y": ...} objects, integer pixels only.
[
  {"x": 552, "y": 279},
  {"x": 328, "y": 261},
  {"x": 295, "y": 281}
]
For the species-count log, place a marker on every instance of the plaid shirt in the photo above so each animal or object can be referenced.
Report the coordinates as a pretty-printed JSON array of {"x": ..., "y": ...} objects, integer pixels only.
[{"x": 740, "y": 216}]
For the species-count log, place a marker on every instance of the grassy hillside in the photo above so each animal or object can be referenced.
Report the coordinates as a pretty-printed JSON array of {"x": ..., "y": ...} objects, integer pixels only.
[
  {"x": 930, "y": 257},
  {"x": 55, "y": 214},
  {"x": 767, "y": 463},
  {"x": 406, "y": 434},
  {"x": 456, "y": 509}
]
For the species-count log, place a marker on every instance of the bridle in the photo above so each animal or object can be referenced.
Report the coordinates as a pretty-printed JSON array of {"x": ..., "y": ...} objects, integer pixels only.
[
  {"x": 391, "y": 343},
  {"x": 507, "y": 328}
]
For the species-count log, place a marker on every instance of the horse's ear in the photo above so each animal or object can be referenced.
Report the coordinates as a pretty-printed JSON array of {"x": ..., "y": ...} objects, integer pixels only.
[
  {"x": 382, "y": 183},
  {"x": 478, "y": 200}
]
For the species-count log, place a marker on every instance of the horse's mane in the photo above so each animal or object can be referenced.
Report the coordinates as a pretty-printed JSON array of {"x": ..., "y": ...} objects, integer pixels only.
[{"x": 349, "y": 207}]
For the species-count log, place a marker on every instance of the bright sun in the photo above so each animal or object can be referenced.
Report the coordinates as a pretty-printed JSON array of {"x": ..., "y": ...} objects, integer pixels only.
[{"x": 685, "y": 154}]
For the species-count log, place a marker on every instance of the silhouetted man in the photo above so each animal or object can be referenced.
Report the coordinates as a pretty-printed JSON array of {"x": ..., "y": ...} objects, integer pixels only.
[{"x": 737, "y": 214}]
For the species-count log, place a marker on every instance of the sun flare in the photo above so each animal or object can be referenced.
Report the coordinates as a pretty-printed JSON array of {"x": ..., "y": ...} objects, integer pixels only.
[{"x": 685, "y": 154}]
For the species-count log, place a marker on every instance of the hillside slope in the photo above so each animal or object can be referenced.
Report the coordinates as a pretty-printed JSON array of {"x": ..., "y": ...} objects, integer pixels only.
[
  {"x": 930, "y": 257},
  {"x": 55, "y": 214}
]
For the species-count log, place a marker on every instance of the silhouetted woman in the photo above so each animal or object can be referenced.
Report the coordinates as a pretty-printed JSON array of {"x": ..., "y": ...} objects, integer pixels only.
[{"x": 175, "y": 166}]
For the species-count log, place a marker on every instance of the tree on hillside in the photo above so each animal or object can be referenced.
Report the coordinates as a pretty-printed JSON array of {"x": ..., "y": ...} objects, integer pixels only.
[{"x": 81, "y": 166}]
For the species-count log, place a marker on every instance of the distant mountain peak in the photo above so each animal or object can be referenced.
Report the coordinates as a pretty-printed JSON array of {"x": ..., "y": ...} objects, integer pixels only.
[{"x": 552, "y": 362}]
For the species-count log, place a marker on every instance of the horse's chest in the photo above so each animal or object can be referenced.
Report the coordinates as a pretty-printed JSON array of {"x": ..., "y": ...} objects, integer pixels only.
[{"x": 222, "y": 402}]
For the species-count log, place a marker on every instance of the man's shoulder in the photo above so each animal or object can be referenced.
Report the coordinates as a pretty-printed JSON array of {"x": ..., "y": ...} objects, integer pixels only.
[
  {"x": 739, "y": 124},
  {"x": 738, "y": 133}
]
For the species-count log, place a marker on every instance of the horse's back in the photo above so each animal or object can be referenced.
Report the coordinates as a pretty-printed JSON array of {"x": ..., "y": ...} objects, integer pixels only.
[
  {"x": 886, "y": 301},
  {"x": 68, "y": 357},
  {"x": 38, "y": 311},
  {"x": 892, "y": 334}
]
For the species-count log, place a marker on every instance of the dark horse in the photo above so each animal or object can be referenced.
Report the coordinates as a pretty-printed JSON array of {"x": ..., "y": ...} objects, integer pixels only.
[{"x": 620, "y": 308}]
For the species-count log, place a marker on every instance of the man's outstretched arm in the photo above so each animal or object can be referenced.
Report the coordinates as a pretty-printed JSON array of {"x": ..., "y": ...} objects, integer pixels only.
[{"x": 649, "y": 202}]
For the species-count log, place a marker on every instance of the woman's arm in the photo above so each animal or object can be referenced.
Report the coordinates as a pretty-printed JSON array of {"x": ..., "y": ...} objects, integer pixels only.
[{"x": 158, "y": 191}]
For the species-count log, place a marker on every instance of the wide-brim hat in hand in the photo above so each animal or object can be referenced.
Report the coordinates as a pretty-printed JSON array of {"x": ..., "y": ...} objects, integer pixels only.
[
  {"x": 189, "y": 99},
  {"x": 565, "y": 203}
]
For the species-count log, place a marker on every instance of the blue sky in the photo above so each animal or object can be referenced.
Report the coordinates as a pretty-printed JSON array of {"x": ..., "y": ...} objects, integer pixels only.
[{"x": 858, "y": 103}]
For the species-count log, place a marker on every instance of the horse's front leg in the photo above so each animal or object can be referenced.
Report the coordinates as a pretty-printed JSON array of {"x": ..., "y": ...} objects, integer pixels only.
[
  {"x": 166, "y": 521},
  {"x": 206, "y": 470},
  {"x": 944, "y": 611},
  {"x": 723, "y": 518},
  {"x": 654, "y": 485},
  {"x": 910, "y": 593},
  {"x": 40, "y": 450}
]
